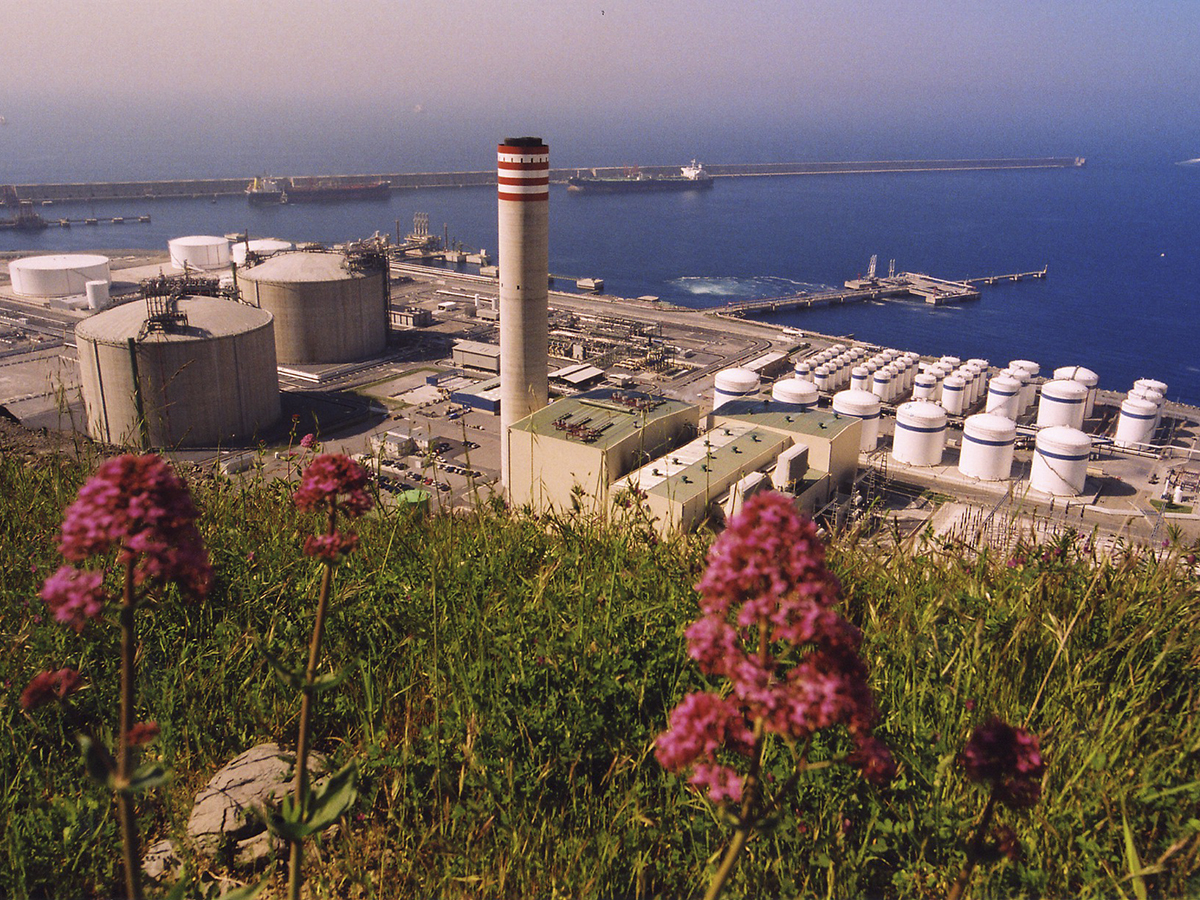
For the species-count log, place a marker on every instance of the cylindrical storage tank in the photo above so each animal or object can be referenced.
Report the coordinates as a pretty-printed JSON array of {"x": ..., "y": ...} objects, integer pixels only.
[
  {"x": 1086, "y": 377},
  {"x": 920, "y": 433},
  {"x": 1060, "y": 459},
  {"x": 881, "y": 384},
  {"x": 324, "y": 312},
  {"x": 924, "y": 386},
  {"x": 199, "y": 385},
  {"x": 860, "y": 378},
  {"x": 733, "y": 384},
  {"x": 861, "y": 405},
  {"x": 199, "y": 251},
  {"x": 62, "y": 275},
  {"x": 1153, "y": 384},
  {"x": 1150, "y": 396},
  {"x": 97, "y": 294},
  {"x": 1028, "y": 388},
  {"x": 260, "y": 246},
  {"x": 895, "y": 370},
  {"x": 952, "y": 361},
  {"x": 1004, "y": 396},
  {"x": 1063, "y": 403},
  {"x": 793, "y": 390},
  {"x": 1029, "y": 383},
  {"x": 821, "y": 378},
  {"x": 803, "y": 370},
  {"x": 839, "y": 372},
  {"x": 1136, "y": 423},
  {"x": 954, "y": 395},
  {"x": 970, "y": 387},
  {"x": 987, "y": 447}
]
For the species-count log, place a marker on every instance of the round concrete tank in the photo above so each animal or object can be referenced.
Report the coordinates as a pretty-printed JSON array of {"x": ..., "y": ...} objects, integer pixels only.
[
  {"x": 197, "y": 384},
  {"x": 1060, "y": 461},
  {"x": 1004, "y": 396},
  {"x": 259, "y": 246},
  {"x": 1086, "y": 377},
  {"x": 793, "y": 390},
  {"x": 987, "y": 447},
  {"x": 324, "y": 311},
  {"x": 954, "y": 394},
  {"x": 1136, "y": 423},
  {"x": 733, "y": 384},
  {"x": 861, "y": 405},
  {"x": 920, "y": 433},
  {"x": 97, "y": 294},
  {"x": 199, "y": 251},
  {"x": 1063, "y": 403},
  {"x": 61, "y": 275}
]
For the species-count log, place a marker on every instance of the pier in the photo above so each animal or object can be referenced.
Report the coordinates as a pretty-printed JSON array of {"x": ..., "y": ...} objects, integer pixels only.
[{"x": 207, "y": 188}]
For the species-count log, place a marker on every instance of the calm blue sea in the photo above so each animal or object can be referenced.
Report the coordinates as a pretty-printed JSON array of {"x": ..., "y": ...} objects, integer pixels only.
[{"x": 1120, "y": 237}]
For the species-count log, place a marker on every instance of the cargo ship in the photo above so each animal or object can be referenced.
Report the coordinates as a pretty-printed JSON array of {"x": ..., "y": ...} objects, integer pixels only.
[
  {"x": 691, "y": 178},
  {"x": 312, "y": 189}
]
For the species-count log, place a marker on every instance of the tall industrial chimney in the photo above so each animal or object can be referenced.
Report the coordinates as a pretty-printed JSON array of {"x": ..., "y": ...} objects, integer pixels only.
[{"x": 523, "y": 192}]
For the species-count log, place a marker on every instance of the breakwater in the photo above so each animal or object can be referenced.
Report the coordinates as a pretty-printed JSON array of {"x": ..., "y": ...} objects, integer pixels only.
[{"x": 218, "y": 187}]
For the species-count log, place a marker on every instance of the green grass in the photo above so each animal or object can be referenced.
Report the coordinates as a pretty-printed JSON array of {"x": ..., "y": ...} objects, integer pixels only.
[{"x": 510, "y": 674}]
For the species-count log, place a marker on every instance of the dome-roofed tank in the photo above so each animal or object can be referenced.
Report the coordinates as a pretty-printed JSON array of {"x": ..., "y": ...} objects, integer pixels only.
[
  {"x": 326, "y": 311},
  {"x": 1084, "y": 376},
  {"x": 734, "y": 384},
  {"x": 861, "y": 405},
  {"x": 987, "y": 447},
  {"x": 1004, "y": 397},
  {"x": 1136, "y": 423},
  {"x": 59, "y": 275},
  {"x": 199, "y": 251},
  {"x": 207, "y": 378},
  {"x": 1063, "y": 402},
  {"x": 1060, "y": 461},
  {"x": 259, "y": 246},
  {"x": 920, "y": 433},
  {"x": 794, "y": 390}
]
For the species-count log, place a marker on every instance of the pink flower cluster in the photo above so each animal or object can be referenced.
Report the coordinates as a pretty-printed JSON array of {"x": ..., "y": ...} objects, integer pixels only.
[
  {"x": 139, "y": 505},
  {"x": 333, "y": 480},
  {"x": 768, "y": 626},
  {"x": 330, "y": 546},
  {"x": 1009, "y": 759},
  {"x": 45, "y": 687},
  {"x": 74, "y": 595}
]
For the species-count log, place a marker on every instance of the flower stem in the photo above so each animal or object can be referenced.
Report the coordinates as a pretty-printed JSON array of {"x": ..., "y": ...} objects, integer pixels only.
[
  {"x": 125, "y": 814},
  {"x": 300, "y": 785},
  {"x": 746, "y": 821},
  {"x": 974, "y": 849}
]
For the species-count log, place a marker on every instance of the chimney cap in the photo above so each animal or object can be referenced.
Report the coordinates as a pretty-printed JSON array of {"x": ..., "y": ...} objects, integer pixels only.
[{"x": 523, "y": 142}]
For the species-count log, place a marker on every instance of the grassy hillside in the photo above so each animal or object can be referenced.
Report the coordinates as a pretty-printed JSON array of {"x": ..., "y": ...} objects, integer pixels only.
[{"x": 509, "y": 676}]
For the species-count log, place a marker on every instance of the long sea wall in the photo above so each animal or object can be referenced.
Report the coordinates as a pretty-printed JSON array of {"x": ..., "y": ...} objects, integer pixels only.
[{"x": 216, "y": 187}]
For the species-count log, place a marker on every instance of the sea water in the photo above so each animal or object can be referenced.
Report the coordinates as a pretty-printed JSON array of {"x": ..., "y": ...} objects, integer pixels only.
[{"x": 1119, "y": 238}]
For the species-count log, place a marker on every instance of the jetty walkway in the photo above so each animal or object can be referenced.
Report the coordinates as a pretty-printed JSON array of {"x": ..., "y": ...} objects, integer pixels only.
[{"x": 11, "y": 194}]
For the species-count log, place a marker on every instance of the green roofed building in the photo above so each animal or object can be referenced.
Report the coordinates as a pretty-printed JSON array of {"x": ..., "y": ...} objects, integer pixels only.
[{"x": 568, "y": 454}]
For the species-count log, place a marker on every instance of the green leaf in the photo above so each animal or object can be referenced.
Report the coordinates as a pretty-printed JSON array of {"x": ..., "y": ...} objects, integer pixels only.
[
  {"x": 151, "y": 775},
  {"x": 332, "y": 680},
  {"x": 293, "y": 679},
  {"x": 1131, "y": 857},
  {"x": 333, "y": 798},
  {"x": 97, "y": 760}
]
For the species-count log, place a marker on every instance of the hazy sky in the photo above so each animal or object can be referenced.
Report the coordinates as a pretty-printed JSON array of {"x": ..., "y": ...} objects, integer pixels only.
[{"x": 1018, "y": 65}]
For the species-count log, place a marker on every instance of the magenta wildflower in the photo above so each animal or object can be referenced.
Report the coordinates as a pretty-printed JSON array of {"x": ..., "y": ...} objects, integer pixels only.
[
  {"x": 330, "y": 546},
  {"x": 332, "y": 479},
  {"x": 46, "y": 687},
  {"x": 143, "y": 733},
  {"x": 74, "y": 595},
  {"x": 308, "y": 441},
  {"x": 1007, "y": 758},
  {"x": 139, "y": 504},
  {"x": 700, "y": 724}
]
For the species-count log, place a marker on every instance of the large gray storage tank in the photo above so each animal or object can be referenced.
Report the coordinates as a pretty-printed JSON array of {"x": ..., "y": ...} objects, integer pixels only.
[
  {"x": 197, "y": 384},
  {"x": 325, "y": 311}
]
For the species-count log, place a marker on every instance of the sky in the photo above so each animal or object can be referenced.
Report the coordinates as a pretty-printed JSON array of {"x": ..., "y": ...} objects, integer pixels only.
[{"x": 775, "y": 79}]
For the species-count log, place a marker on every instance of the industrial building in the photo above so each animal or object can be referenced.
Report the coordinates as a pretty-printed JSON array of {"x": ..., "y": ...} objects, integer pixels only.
[
  {"x": 178, "y": 371},
  {"x": 328, "y": 307},
  {"x": 570, "y": 453}
]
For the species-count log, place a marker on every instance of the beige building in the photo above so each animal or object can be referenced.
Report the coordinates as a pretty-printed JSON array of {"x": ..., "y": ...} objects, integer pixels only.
[{"x": 569, "y": 453}]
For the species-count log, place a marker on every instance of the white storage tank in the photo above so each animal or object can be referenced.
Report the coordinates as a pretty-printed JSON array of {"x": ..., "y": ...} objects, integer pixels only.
[
  {"x": 861, "y": 405},
  {"x": 61, "y": 275},
  {"x": 734, "y": 384},
  {"x": 1153, "y": 384},
  {"x": 794, "y": 390},
  {"x": 881, "y": 384},
  {"x": 326, "y": 310},
  {"x": 821, "y": 378},
  {"x": 987, "y": 447},
  {"x": 803, "y": 370},
  {"x": 1063, "y": 403},
  {"x": 260, "y": 246},
  {"x": 1028, "y": 388},
  {"x": 924, "y": 386},
  {"x": 198, "y": 385},
  {"x": 1004, "y": 397},
  {"x": 860, "y": 378},
  {"x": 199, "y": 251},
  {"x": 97, "y": 294},
  {"x": 920, "y": 433},
  {"x": 1136, "y": 423},
  {"x": 1060, "y": 461},
  {"x": 1084, "y": 376},
  {"x": 954, "y": 395}
]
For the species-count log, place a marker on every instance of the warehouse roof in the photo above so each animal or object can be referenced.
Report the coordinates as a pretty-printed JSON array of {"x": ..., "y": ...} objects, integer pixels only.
[{"x": 601, "y": 418}]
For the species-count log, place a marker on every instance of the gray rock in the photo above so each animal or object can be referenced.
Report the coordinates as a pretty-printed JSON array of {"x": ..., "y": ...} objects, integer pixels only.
[
  {"x": 227, "y": 818},
  {"x": 162, "y": 858}
]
